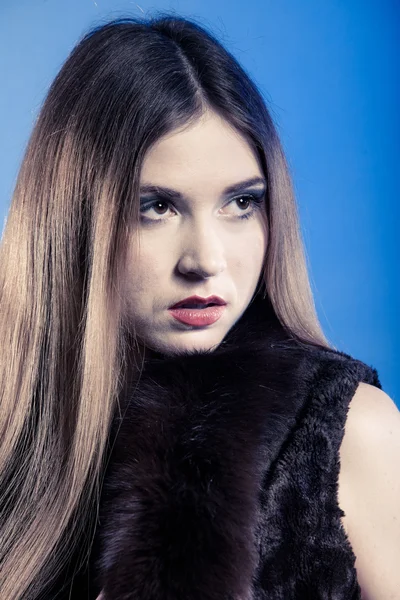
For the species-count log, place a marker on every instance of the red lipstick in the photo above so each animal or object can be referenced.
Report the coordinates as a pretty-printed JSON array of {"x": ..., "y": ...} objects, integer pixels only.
[{"x": 198, "y": 311}]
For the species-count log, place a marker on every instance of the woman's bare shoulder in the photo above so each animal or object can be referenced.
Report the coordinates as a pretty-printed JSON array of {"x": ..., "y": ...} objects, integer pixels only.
[{"x": 369, "y": 490}]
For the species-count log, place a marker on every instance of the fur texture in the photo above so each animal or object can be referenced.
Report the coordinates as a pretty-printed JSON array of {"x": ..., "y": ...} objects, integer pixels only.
[{"x": 222, "y": 481}]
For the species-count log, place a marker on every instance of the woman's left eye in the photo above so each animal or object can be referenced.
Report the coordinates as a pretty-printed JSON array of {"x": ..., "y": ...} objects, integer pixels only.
[{"x": 249, "y": 200}]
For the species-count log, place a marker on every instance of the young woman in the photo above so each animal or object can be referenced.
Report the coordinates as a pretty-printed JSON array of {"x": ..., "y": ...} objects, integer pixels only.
[{"x": 172, "y": 416}]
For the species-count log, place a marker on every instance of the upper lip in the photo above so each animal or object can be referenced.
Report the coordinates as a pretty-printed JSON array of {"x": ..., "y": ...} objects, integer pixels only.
[{"x": 200, "y": 300}]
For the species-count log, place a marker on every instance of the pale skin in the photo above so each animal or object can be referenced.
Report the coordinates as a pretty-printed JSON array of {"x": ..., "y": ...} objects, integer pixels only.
[
  {"x": 369, "y": 491},
  {"x": 199, "y": 245}
]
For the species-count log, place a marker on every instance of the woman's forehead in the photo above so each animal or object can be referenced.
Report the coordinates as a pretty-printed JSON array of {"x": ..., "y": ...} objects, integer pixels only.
[{"x": 210, "y": 153}]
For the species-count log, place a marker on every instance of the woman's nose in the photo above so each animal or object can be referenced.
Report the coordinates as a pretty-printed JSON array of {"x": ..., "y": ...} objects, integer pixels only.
[{"x": 202, "y": 252}]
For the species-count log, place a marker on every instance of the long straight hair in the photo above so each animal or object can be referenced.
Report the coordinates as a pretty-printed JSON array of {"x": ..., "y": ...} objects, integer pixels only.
[{"x": 64, "y": 347}]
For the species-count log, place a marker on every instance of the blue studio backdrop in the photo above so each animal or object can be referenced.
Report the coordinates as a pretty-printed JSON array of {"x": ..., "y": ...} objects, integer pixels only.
[{"x": 328, "y": 71}]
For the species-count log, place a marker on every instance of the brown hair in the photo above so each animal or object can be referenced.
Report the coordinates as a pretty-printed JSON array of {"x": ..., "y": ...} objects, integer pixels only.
[{"x": 64, "y": 345}]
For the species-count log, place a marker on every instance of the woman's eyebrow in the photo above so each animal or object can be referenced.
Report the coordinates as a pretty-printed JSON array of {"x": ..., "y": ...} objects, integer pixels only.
[{"x": 175, "y": 195}]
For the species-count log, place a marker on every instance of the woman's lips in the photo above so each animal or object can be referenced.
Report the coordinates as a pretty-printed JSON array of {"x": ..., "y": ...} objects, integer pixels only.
[{"x": 198, "y": 316}]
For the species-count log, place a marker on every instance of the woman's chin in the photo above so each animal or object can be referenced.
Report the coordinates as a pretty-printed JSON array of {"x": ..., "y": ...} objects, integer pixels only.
[{"x": 183, "y": 344}]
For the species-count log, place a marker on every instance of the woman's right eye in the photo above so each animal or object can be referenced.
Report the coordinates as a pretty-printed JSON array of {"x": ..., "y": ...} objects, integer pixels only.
[{"x": 159, "y": 207}]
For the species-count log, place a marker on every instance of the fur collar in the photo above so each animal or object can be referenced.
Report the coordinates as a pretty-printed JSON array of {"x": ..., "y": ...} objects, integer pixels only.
[{"x": 180, "y": 501}]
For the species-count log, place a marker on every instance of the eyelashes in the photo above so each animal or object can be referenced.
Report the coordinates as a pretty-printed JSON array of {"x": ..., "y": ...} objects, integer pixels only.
[{"x": 254, "y": 202}]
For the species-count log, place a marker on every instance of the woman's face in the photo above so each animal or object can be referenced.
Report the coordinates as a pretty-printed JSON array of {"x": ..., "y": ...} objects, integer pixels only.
[{"x": 203, "y": 241}]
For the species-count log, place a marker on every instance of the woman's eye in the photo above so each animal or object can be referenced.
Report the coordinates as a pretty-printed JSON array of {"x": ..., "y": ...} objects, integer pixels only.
[
  {"x": 160, "y": 208},
  {"x": 247, "y": 202},
  {"x": 243, "y": 202}
]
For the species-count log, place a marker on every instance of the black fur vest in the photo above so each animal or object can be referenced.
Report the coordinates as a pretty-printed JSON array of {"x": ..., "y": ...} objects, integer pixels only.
[{"x": 222, "y": 482}]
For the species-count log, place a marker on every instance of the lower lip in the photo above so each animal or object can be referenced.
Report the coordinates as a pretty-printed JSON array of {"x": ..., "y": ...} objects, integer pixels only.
[{"x": 198, "y": 316}]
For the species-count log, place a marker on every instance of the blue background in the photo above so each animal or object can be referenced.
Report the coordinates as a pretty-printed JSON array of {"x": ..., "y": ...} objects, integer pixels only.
[{"x": 328, "y": 71}]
